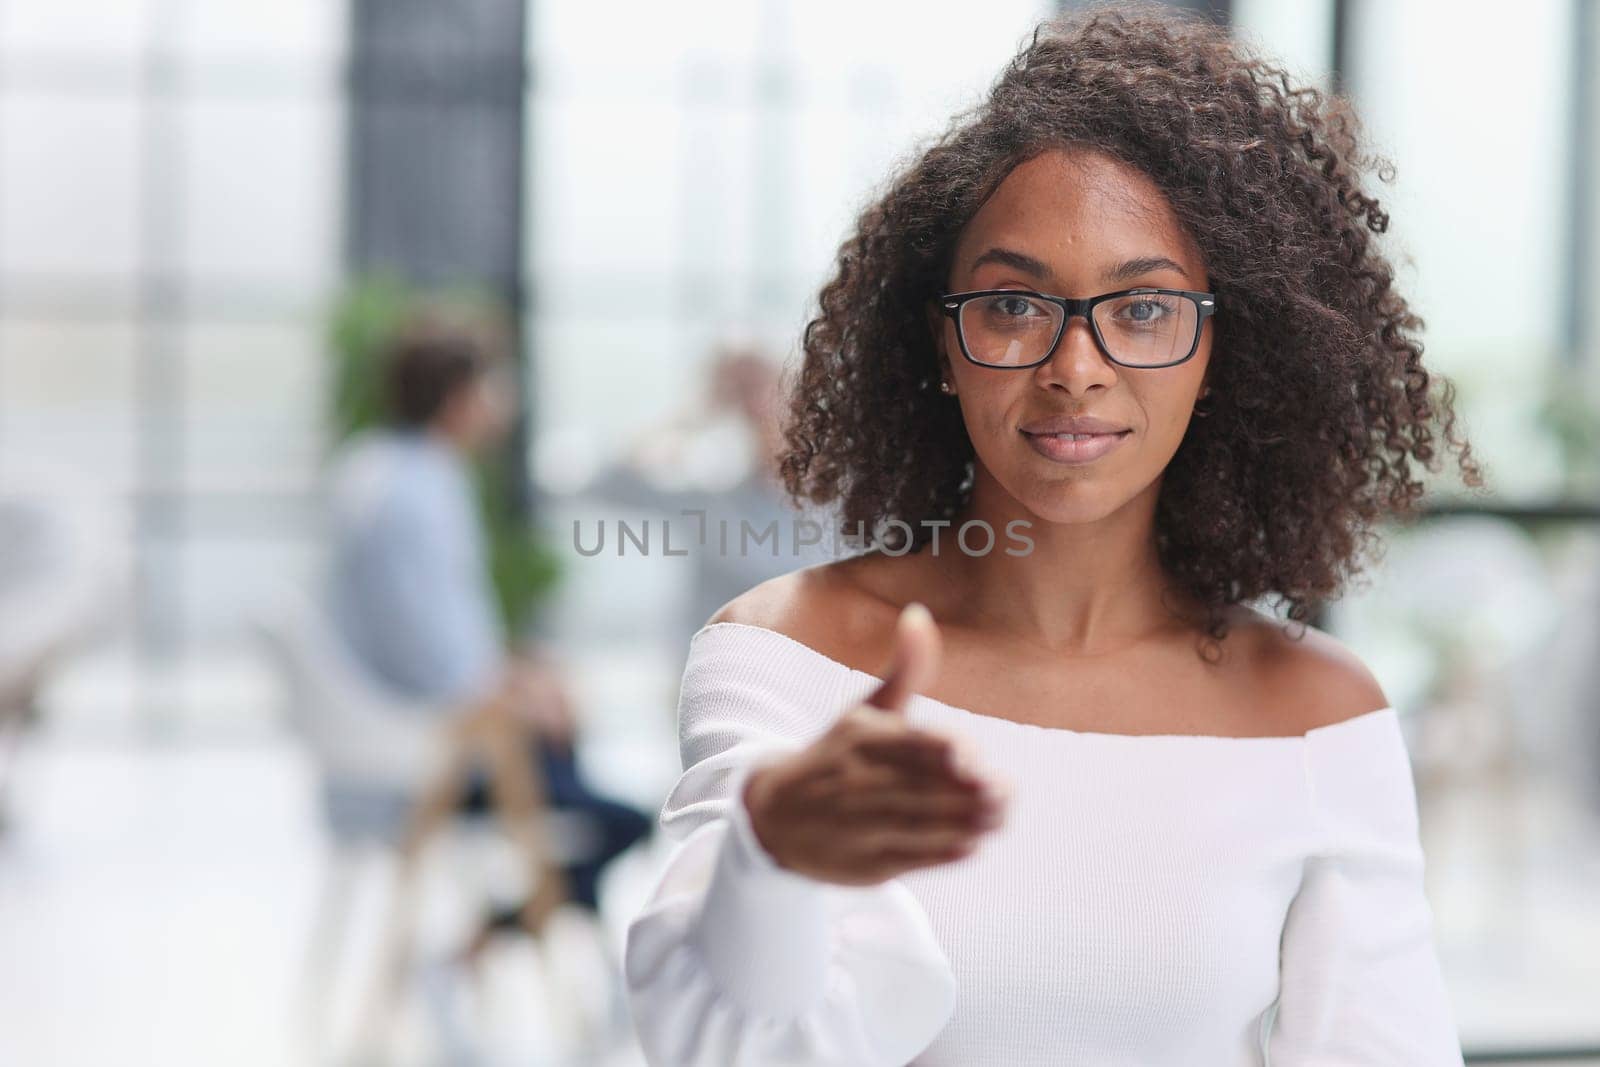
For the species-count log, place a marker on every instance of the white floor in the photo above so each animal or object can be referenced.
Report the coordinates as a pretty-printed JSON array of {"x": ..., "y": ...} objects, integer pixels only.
[{"x": 157, "y": 906}]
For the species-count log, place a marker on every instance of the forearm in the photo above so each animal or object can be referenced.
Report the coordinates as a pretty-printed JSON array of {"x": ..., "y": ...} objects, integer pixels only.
[{"x": 764, "y": 930}]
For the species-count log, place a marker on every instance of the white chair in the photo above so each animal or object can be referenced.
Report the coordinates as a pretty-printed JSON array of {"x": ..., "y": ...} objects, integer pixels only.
[
  {"x": 376, "y": 753},
  {"x": 64, "y": 566},
  {"x": 373, "y": 750},
  {"x": 390, "y": 773}
]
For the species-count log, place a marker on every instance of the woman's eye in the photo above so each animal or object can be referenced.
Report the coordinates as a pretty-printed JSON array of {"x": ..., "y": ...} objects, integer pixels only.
[
  {"x": 1141, "y": 311},
  {"x": 1012, "y": 306}
]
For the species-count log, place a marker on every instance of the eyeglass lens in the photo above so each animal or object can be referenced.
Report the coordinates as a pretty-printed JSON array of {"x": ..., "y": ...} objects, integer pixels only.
[{"x": 1142, "y": 329}]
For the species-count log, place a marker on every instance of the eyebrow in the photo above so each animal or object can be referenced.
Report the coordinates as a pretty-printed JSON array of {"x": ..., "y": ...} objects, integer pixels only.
[{"x": 1122, "y": 272}]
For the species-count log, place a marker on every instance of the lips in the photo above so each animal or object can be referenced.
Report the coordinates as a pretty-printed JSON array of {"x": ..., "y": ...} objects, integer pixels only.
[
  {"x": 1077, "y": 436},
  {"x": 1074, "y": 448},
  {"x": 1073, "y": 424}
]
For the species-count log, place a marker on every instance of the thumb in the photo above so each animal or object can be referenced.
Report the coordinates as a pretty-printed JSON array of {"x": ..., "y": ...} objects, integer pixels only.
[{"x": 916, "y": 659}]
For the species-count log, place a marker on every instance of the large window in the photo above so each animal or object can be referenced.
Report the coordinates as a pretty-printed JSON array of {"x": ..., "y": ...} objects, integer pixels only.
[{"x": 170, "y": 177}]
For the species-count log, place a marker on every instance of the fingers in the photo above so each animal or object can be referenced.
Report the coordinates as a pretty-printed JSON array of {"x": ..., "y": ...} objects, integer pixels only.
[
  {"x": 925, "y": 806},
  {"x": 916, "y": 787},
  {"x": 928, "y": 842},
  {"x": 922, "y": 752},
  {"x": 913, "y": 751},
  {"x": 916, "y": 659}
]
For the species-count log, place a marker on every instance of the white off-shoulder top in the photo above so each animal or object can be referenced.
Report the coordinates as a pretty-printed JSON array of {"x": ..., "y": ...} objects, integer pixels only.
[{"x": 1150, "y": 900}]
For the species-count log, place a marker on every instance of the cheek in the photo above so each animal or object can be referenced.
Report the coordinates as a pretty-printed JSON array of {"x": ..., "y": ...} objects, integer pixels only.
[{"x": 990, "y": 404}]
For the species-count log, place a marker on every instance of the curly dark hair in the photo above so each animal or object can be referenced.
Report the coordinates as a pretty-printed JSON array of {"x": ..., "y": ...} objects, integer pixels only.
[{"x": 1321, "y": 402}]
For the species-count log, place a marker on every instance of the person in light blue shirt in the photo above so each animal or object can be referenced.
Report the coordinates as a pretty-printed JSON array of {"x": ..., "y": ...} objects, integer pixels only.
[
  {"x": 409, "y": 584},
  {"x": 408, "y": 581}
]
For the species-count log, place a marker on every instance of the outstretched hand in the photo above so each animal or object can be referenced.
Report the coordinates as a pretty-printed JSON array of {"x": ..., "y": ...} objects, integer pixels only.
[{"x": 875, "y": 796}]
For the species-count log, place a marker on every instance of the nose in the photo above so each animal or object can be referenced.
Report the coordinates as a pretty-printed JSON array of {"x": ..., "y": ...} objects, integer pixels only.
[{"x": 1077, "y": 364}]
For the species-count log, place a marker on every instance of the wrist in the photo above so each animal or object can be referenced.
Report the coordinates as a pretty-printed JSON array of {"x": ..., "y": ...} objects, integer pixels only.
[{"x": 756, "y": 790}]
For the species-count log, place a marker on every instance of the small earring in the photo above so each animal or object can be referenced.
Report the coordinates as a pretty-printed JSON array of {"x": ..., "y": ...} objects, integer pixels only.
[
  {"x": 944, "y": 387},
  {"x": 1202, "y": 412}
]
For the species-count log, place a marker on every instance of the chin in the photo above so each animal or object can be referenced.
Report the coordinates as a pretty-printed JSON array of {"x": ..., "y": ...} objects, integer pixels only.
[
  {"x": 1069, "y": 509},
  {"x": 1064, "y": 500}
]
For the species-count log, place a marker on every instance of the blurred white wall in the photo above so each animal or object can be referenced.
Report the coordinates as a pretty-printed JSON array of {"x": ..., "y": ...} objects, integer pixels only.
[{"x": 170, "y": 187}]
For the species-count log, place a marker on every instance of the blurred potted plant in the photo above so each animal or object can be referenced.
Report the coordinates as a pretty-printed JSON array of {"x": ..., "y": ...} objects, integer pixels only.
[
  {"x": 1571, "y": 416},
  {"x": 524, "y": 566}
]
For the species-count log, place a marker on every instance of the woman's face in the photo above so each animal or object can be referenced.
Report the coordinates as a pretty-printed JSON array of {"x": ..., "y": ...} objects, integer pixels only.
[{"x": 1075, "y": 224}]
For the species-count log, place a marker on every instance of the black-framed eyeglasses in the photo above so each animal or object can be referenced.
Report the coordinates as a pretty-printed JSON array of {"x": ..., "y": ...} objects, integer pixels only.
[{"x": 1018, "y": 328}]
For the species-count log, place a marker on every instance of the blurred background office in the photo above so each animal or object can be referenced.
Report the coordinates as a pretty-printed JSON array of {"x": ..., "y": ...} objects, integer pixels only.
[{"x": 212, "y": 215}]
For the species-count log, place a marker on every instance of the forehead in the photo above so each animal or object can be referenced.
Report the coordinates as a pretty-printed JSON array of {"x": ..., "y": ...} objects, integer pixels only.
[{"x": 1078, "y": 209}]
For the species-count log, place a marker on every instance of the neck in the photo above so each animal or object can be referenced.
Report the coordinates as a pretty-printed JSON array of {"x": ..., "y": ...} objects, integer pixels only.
[
  {"x": 1084, "y": 588},
  {"x": 441, "y": 434}
]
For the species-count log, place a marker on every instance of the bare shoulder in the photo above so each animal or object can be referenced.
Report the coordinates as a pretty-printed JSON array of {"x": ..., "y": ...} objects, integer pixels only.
[
  {"x": 1308, "y": 677},
  {"x": 833, "y": 607}
]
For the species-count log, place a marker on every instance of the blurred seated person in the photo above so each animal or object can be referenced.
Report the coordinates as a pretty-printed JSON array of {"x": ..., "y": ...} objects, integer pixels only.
[{"x": 409, "y": 586}]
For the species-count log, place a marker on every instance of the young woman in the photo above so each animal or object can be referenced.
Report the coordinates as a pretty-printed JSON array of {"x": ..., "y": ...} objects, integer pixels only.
[{"x": 1097, "y": 810}]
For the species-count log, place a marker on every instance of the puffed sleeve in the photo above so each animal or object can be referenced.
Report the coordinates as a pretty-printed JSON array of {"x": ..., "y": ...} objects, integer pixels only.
[
  {"x": 735, "y": 960},
  {"x": 1360, "y": 982}
]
